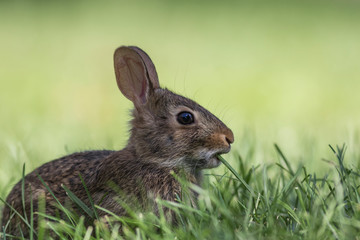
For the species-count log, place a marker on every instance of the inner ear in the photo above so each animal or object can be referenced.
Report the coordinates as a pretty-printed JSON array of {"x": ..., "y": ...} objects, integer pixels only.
[
  {"x": 135, "y": 74},
  {"x": 149, "y": 65}
]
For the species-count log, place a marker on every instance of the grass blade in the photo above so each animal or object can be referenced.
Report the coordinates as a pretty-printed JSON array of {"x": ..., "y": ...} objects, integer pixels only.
[
  {"x": 78, "y": 202},
  {"x": 89, "y": 197},
  {"x": 228, "y": 166},
  {"x": 284, "y": 158},
  {"x": 67, "y": 213}
]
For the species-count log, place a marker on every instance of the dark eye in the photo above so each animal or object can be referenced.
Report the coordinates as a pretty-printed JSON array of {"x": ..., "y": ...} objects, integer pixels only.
[{"x": 185, "y": 118}]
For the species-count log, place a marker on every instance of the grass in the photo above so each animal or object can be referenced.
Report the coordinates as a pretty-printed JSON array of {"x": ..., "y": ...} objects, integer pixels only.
[{"x": 242, "y": 203}]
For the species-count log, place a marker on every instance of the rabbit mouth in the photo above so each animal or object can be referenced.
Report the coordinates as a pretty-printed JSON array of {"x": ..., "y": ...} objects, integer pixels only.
[
  {"x": 217, "y": 156},
  {"x": 211, "y": 159},
  {"x": 212, "y": 162}
]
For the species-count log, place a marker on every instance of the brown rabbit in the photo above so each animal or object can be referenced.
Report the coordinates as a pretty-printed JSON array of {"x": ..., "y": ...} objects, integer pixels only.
[{"x": 169, "y": 133}]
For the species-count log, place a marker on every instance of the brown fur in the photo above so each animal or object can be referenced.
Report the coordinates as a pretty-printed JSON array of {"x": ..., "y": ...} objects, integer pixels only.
[{"x": 158, "y": 146}]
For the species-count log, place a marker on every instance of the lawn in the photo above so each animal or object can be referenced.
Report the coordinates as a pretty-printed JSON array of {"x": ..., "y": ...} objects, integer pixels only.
[{"x": 280, "y": 72}]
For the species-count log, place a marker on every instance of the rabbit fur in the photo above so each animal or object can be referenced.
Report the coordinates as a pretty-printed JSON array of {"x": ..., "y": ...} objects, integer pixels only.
[{"x": 158, "y": 146}]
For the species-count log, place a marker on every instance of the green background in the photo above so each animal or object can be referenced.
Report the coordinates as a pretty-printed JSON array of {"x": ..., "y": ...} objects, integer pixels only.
[{"x": 285, "y": 72}]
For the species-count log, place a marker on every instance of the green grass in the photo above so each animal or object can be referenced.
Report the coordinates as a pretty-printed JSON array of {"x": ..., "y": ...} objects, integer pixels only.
[
  {"x": 242, "y": 203},
  {"x": 282, "y": 72}
]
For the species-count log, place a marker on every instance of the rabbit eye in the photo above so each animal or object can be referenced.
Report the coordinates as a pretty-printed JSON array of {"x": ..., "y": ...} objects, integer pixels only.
[{"x": 185, "y": 118}]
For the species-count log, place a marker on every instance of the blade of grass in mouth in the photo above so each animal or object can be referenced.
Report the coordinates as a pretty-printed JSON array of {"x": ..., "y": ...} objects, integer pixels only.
[{"x": 228, "y": 166}]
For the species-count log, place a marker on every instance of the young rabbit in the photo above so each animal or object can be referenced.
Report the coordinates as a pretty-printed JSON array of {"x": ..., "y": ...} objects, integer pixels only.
[{"x": 169, "y": 133}]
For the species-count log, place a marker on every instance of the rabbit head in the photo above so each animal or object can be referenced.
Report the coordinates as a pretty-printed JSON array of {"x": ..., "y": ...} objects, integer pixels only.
[{"x": 167, "y": 128}]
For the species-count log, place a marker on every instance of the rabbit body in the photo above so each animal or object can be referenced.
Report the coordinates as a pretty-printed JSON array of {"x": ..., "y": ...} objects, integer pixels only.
[
  {"x": 169, "y": 134},
  {"x": 65, "y": 171}
]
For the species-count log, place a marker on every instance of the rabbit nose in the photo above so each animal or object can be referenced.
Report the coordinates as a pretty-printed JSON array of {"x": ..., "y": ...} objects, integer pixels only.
[{"x": 229, "y": 136}]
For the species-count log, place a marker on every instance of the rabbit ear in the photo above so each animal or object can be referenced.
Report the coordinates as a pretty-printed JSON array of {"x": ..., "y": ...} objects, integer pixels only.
[{"x": 135, "y": 74}]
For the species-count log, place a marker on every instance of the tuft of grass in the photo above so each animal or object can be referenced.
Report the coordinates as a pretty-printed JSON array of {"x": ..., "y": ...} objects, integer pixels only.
[{"x": 273, "y": 201}]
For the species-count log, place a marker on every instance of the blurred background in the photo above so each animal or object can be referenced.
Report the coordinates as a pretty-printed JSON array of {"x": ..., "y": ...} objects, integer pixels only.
[{"x": 285, "y": 72}]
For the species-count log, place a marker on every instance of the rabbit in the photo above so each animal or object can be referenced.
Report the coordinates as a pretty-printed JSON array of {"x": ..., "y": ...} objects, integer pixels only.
[{"x": 169, "y": 134}]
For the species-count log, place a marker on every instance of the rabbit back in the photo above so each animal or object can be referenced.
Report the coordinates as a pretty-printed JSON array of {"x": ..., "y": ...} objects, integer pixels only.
[
  {"x": 62, "y": 171},
  {"x": 108, "y": 176}
]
